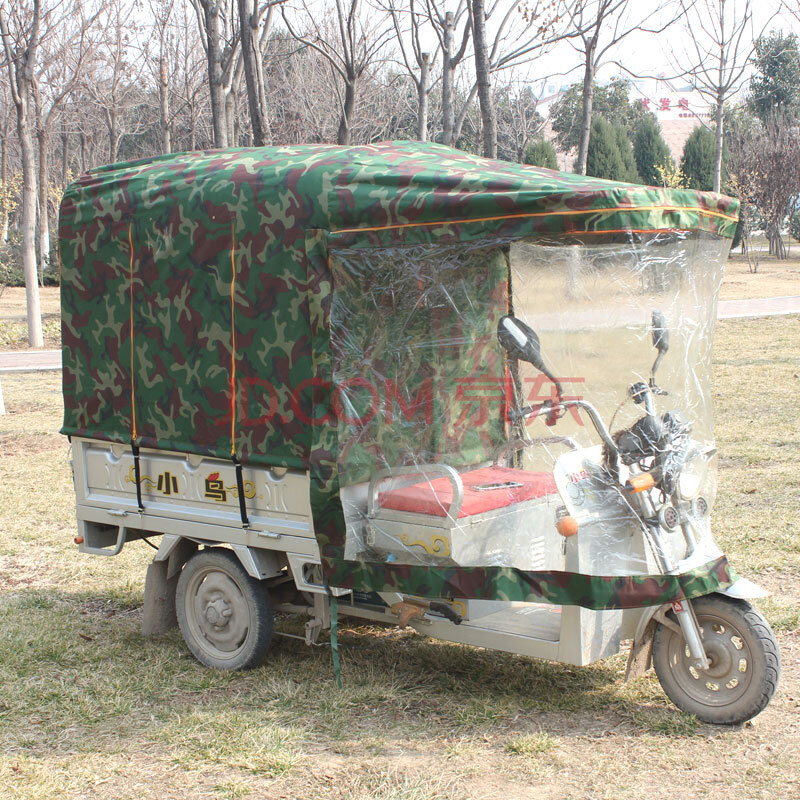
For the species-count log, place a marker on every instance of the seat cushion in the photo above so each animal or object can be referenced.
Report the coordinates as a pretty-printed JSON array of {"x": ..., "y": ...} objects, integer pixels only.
[{"x": 485, "y": 489}]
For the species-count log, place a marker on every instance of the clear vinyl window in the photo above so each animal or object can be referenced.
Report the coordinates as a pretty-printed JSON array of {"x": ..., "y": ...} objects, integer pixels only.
[{"x": 445, "y": 454}]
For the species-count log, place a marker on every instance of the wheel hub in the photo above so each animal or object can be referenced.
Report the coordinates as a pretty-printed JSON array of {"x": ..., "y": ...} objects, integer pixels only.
[
  {"x": 720, "y": 660},
  {"x": 729, "y": 671},
  {"x": 218, "y": 612}
]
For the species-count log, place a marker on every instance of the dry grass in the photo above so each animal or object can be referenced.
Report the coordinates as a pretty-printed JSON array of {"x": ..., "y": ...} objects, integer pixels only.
[
  {"x": 12, "y": 301},
  {"x": 773, "y": 279},
  {"x": 14, "y": 329},
  {"x": 90, "y": 709}
]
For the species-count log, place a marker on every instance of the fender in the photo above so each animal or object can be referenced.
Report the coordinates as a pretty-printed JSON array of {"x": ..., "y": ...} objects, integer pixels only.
[
  {"x": 258, "y": 563},
  {"x": 642, "y": 648}
]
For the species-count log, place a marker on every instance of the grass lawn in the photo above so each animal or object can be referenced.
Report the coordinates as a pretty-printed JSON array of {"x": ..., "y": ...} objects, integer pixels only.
[{"x": 90, "y": 709}]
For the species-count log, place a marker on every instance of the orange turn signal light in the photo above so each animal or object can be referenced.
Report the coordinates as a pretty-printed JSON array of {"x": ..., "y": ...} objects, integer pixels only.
[
  {"x": 641, "y": 482},
  {"x": 567, "y": 526}
]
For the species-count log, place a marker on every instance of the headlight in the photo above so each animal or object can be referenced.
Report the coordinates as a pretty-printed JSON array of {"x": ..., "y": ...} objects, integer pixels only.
[{"x": 692, "y": 476}]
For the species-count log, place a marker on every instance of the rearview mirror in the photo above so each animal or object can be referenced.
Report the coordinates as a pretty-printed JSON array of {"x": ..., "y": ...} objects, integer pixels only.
[
  {"x": 660, "y": 333},
  {"x": 661, "y": 343},
  {"x": 520, "y": 341}
]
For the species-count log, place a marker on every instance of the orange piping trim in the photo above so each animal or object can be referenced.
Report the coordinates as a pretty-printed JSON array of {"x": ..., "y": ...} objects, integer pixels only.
[
  {"x": 133, "y": 384},
  {"x": 573, "y": 212},
  {"x": 233, "y": 343}
]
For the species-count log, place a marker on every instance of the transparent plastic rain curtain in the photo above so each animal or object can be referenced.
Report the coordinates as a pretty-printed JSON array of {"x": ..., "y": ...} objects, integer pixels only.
[{"x": 435, "y": 466}]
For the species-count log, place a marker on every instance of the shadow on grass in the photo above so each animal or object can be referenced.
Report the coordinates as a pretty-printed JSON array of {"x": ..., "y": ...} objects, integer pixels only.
[{"x": 77, "y": 674}]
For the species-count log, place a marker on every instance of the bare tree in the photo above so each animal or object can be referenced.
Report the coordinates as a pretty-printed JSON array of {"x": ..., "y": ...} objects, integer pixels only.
[
  {"x": 602, "y": 25},
  {"x": 477, "y": 15},
  {"x": 420, "y": 69},
  {"x": 255, "y": 25},
  {"x": 446, "y": 25},
  {"x": 519, "y": 34},
  {"x": 350, "y": 45},
  {"x": 21, "y": 29},
  {"x": 765, "y": 169},
  {"x": 218, "y": 21},
  {"x": 7, "y": 191},
  {"x": 113, "y": 78},
  {"x": 63, "y": 54},
  {"x": 721, "y": 40},
  {"x": 188, "y": 84},
  {"x": 161, "y": 11},
  {"x": 518, "y": 119}
]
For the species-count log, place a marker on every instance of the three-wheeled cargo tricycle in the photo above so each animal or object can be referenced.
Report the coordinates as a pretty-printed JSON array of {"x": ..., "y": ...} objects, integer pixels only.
[{"x": 409, "y": 385}]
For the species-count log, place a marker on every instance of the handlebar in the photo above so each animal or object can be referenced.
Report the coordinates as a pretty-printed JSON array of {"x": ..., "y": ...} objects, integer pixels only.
[{"x": 548, "y": 407}]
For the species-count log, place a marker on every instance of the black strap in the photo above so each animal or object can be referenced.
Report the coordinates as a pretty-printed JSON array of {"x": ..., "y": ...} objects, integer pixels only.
[
  {"x": 240, "y": 489},
  {"x": 137, "y": 474}
]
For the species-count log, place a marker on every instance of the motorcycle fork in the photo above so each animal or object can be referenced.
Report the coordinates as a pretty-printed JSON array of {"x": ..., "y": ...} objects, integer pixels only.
[{"x": 682, "y": 609}]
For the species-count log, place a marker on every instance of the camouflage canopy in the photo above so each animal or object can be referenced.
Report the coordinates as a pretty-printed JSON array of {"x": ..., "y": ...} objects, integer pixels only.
[{"x": 196, "y": 287}]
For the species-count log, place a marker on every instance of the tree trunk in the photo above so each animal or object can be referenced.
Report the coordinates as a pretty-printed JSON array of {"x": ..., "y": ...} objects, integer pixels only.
[
  {"x": 192, "y": 126},
  {"x": 483, "y": 79},
  {"x": 719, "y": 143},
  {"x": 28, "y": 226},
  {"x": 44, "y": 217},
  {"x": 422, "y": 97},
  {"x": 251, "y": 56},
  {"x": 113, "y": 133},
  {"x": 586, "y": 111},
  {"x": 230, "y": 118},
  {"x": 64, "y": 152},
  {"x": 448, "y": 74},
  {"x": 163, "y": 104},
  {"x": 215, "y": 88},
  {"x": 3, "y": 174},
  {"x": 343, "y": 135}
]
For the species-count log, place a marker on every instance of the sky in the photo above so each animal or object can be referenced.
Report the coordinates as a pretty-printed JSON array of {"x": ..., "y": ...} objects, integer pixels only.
[{"x": 648, "y": 54}]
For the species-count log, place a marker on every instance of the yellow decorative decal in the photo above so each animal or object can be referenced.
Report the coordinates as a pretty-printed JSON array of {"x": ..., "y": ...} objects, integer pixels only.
[
  {"x": 166, "y": 483},
  {"x": 217, "y": 491},
  {"x": 439, "y": 545}
]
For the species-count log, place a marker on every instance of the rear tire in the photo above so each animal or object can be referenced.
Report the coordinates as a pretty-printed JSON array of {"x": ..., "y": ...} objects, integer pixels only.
[
  {"x": 225, "y": 616},
  {"x": 745, "y": 662}
]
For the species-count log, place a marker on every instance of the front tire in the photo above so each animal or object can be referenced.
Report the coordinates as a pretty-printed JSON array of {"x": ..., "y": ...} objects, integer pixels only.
[
  {"x": 745, "y": 662},
  {"x": 225, "y": 616}
]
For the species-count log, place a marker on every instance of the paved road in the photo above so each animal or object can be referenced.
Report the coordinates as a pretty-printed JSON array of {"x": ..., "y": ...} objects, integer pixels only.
[
  {"x": 764, "y": 307},
  {"x": 31, "y": 360}
]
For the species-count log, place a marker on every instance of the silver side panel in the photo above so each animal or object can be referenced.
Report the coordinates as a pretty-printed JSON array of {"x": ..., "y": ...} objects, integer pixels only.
[{"x": 188, "y": 495}]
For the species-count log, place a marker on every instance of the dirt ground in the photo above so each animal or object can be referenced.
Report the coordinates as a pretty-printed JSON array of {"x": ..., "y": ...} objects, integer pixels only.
[
  {"x": 12, "y": 302},
  {"x": 89, "y": 709},
  {"x": 773, "y": 279}
]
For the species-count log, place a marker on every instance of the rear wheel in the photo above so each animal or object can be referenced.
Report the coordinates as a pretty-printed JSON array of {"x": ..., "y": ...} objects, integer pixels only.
[
  {"x": 225, "y": 616},
  {"x": 745, "y": 662}
]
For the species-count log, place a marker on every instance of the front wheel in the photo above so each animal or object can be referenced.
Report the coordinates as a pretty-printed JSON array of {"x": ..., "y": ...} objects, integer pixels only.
[
  {"x": 225, "y": 616},
  {"x": 745, "y": 662}
]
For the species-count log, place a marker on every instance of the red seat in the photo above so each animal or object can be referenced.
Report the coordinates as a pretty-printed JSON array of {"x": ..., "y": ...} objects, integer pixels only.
[{"x": 484, "y": 490}]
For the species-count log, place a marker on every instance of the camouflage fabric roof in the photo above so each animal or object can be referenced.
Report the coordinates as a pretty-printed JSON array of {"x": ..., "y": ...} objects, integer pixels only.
[{"x": 196, "y": 287}]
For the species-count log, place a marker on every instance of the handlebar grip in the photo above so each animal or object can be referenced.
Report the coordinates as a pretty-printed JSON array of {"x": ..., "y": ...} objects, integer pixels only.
[
  {"x": 517, "y": 414},
  {"x": 546, "y": 407}
]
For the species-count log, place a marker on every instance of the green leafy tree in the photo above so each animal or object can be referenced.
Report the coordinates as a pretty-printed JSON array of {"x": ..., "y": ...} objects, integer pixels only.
[
  {"x": 650, "y": 151},
  {"x": 604, "y": 159},
  {"x": 697, "y": 163},
  {"x": 612, "y": 102},
  {"x": 541, "y": 153},
  {"x": 775, "y": 85},
  {"x": 626, "y": 155}
]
